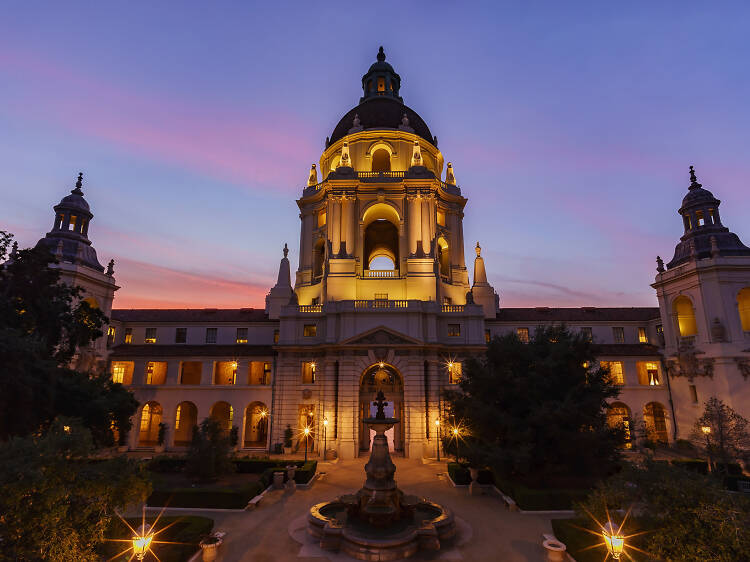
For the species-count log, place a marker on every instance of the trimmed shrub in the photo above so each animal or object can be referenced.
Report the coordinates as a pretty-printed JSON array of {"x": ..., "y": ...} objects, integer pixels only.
[
  {"x": 533, "y": 499},
  {"x": 694, "y": 465},
  {"x": 217, "y": 498},
  {"x": 304, "y": 474},
  {"x": 165, "y": 463}
]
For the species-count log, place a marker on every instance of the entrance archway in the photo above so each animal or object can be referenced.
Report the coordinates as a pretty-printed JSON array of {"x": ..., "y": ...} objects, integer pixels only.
[
  {"x": 148, "y": 433},
  {"x": 382, "y": 376},
  {"x": 256, "y": 425},
  {"x": 186, "y": 418}
]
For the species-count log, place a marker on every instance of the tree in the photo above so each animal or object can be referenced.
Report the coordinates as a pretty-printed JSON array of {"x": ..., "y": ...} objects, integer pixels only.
[
  {"x": 208, "y": 457},
  {"x": 42, "y": 323},
  {"x": 536, "y": 411},
  {"x": 685, "y": 515},
  {"x": 728, "y": 439},
  {"x": 57, "y": 502}
]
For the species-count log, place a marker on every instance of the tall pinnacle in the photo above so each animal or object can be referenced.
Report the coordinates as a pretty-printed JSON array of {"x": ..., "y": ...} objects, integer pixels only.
[
  {"x": 381, "y": 54},
  {"x": 694, "y": 180}
]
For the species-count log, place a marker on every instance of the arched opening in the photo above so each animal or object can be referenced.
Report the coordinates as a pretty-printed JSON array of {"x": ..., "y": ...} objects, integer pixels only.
[
  {"x": 743, "y": 306},
  {"x": 256, "y": 425},
  {"x": 618, "y": 416},
  {"x": 222, "y": 412},
  {"x": 444, "y": 257},
  {"x": 382, "y": 263},
  {"x": 381, "y": 241},
  {"x": 185, "y": 420},
  {"x": 148, "y": 434},
  {"x": 684, "y": 314},
  {"x": 381, "y": 160},
  {"x": 319, "y": 257},
  {"x": 655, "y": 418},
  {"x": 382, "y": 376}
]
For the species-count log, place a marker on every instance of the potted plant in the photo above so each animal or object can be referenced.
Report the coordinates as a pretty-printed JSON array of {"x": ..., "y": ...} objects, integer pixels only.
[
  {"x": 234, "y": 437},
  {"x": 161, "y": 437},
  {"x": 210, "y": 546},
  {"x": 288, "y": 434}
]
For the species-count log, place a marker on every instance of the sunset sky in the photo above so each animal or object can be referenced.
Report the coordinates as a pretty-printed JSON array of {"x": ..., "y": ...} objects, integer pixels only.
[{"x": 570, "y": 126}]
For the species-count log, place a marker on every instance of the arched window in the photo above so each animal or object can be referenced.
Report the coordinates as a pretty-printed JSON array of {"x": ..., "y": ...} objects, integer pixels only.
[
  {"x": 655, "y": 418},
  {"x": 618, "y": 416},
  {"x": 222, "y": 412},
  {"x": 150, "y": 419},
  {"x": 381, "y": 241},
  {"x": 381, "y": 160},
  {"x": 743, "y": 306},
  {"x": 256, "y": 425},
  {"x": 319, "y": 256},
  {"x": 444, "y": 257},
  {"x": 682, "y": 310}
]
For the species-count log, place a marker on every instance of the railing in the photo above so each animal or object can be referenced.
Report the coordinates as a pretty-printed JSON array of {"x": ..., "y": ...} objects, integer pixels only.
[
  {"x": 364, "y": 175},
  {"x": 310, "y": 308},
  {"x": 382, "y": 176},
  {"x": 452, "y": 308},
  {"x": 381, "y": 273},
  {"x": 378, "y": 303}
]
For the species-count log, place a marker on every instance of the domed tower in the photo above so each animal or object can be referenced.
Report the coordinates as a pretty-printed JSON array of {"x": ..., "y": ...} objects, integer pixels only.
[
  {"x": 381, "y": 223},
  {"x": 704, "y": 299},
  {"x": 68, "y": 241}
]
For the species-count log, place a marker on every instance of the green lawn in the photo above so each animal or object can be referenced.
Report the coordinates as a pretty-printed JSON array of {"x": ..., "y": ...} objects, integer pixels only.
[{"x": 187, "y": 531}]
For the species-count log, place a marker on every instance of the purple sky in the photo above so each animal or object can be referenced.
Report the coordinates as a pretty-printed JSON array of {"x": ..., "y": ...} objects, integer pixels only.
[{"x": 195, "y": 124}]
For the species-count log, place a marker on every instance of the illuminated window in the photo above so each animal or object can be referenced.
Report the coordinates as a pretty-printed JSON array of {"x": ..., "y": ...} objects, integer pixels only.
[
  {"x": 660, "y": 330},
  {"x": 455, "y": 371},
  {"x": 118, "y": 372},
  {"x": 642, "y": 335},
  {"x": 128, "y": 335},
  {"x": 441, "y": 217},
  {"x": 145, "y": 416},
  {"x": 648, "y": 373},
  {"x": 615, "y": 371},
  {"x": 308, "y": 372},
  {"x": 712, "y": 216},
  {"x": 190, "y": 372},
  {"x": 241, "y": 335},
  {"x": 743, "y": 307},
  {"x": 693, "y": 394},
  {"x": 259, "y": 373},
  {"x": 180, "y": 335},
  {"x": 59, "y": 220},
  {"x": 72, "y": 223},
  {"x": 321, "y": 218},
  {"x": 454, "y": 330},
  {"x": 487, "y": 336},
  {"x": 682, "y": 309},
  {"x": 699, "y": 218},
  {"x": 275, "y": 336},
  {"x": 110, "y": 335},
  {"x": 381, "y": 84},
  {"x": 226, "y": 372},
  {"x": 150, "y": 335},
  {"x": 156, "y": 372},
  {"x": 686, "y": 221},
  {"x": 618, "y": 333},
  {"x": 523, "y": 334},
  {"x": 587, "y": 334},
  {"x": 618, "y": 416},
  {"x": 310, "y": 330},
  {"x": 211, "y": 335},
  {"x": 177, "y": 417},
  {"x": 381, "y": 296}
]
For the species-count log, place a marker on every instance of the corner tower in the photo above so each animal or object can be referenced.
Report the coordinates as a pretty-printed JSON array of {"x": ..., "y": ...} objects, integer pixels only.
[{"x": 381, "y": 223}]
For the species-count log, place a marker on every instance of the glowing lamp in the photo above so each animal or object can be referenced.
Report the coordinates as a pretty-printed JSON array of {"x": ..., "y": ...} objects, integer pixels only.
[
  {"x": 450, "y": 364},
  {"x": 263, "y": 414},
  {"x": 455, "y": 431},
  {"x": 706, "y": 430},
  {"x": 614, "y": 541},
  {"x": 437, "y": 423},
  {"x": 381, "y": 364},
  {"x": 142, "y": 541},
  {"x": 312, "y": 365},
  {"x": 307, "y": 431},
  {"x": 325, "y": 421}
]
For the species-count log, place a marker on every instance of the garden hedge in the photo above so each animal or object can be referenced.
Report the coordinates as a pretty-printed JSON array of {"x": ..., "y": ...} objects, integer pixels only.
[
  {"x": 216, "y": 498},
  {"x": 540, "y": 499}
]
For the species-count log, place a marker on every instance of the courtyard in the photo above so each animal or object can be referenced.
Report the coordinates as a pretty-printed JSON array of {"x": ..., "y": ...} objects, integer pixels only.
[{"x": 271, "y": 532}]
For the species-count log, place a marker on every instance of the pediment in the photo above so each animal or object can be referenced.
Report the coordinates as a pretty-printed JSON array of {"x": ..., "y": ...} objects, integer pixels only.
[{"x": 381, "y": 336}]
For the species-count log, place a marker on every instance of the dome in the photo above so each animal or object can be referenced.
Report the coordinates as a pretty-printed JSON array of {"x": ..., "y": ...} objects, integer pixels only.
[
  {"x": 696, "y": 195},
  {"x": 74, "y": 201},
  {"x": 381, "y": 113}
]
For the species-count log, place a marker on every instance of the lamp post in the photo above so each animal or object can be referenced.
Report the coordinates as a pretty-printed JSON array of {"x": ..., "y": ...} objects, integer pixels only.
[
  {"x": 142, "y": 539},
  {"x": 437, "y": 437},
  {"x": 325, "y": 437},
  {"x": 706, "y": 429},
  {"x": 614, "y": 540},
  {"x": 307, "y": 434},
  {"x": 456, "y": 435}
]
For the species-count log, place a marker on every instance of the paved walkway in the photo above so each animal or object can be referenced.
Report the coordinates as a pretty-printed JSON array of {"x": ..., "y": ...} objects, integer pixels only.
[{"x": 493, "y": 533}]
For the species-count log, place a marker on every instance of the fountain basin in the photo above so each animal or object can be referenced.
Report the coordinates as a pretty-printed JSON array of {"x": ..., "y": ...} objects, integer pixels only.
[{"x": 332, "y": 525}]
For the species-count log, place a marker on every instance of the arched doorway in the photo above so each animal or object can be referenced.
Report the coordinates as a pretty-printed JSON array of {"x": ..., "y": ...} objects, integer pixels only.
[
  {"x": 382, "y": 376},
  {"x": 256, "y": 425},
  {"x": 185, "y": 420},
  {"x": 654, "y": 415},
  {"x": 148, "y": 434},
  {"x": 222, "y": 413},
  {"x": 618, "y": 416},
  {"x": 381, "y": 160}
]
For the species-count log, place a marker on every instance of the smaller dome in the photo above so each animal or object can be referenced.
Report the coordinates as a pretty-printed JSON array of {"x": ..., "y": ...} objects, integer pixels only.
[
  {"x": 696, "y": 195},
  {"x": 75, "y": 200}
]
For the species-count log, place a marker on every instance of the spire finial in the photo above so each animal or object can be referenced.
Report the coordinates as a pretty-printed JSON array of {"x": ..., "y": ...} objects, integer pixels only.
[
  {"x": 381, "y": 54},
  {"x": 286, "y": 249},
  {"x": 478, "y": 250},
  {"x": 79, "y": 185},
  {"x": 693, "y": 180}
]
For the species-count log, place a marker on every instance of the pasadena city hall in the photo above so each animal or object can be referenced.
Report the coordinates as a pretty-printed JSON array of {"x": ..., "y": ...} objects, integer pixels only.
[{"x": 382, "y": 298}]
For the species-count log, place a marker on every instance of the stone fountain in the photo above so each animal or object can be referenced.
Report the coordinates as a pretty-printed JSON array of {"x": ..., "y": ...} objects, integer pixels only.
[{"x": 380, "y": 522}]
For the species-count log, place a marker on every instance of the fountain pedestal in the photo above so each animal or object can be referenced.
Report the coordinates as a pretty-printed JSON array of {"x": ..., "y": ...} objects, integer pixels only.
[{"x": 380, "y": 522}]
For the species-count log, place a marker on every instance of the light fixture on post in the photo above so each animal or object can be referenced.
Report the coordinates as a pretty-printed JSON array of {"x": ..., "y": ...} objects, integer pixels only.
[
  {"x": 437, "y": 438},
  {"x": 325, "y": 437},
  {"x": 307, "y": 434},
  {"x": 614, "y": 541},
  {"x": 706, "y": 429},
  {"x": 142, "y": 539},
  {"x": 456, "y": 434}
]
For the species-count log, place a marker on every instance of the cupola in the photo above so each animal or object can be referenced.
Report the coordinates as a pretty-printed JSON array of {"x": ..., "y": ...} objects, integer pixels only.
[
  {"x": 704, "y": 234},
  {"x": 68, "y": 239},
  {"x": 381, "y": 80}
]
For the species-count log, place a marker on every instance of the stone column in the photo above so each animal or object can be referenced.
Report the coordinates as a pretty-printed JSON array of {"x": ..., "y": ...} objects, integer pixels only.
[
  {"x": 415, "y": 222},
  {"x": 139, "y": 371},
  {"x": 173, "y": 373},
  {"x": 426, "y": 235},
  {"x": 207, "y": 373}
]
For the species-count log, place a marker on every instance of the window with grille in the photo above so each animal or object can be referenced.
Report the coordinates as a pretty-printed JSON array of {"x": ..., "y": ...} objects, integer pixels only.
[
  {"x": 150, "y": 335},
  {"x": 587, "y": 334},
  {"x": 523, "y": 334},
  {"x": 180, "y": 335},
  {"x": 642, "y": 335},
  {"x": 241, "y": 335},
  {"x": 615, "y": 371},
  {"x": 618, "y": 333},
  {"x": 308, "y": 372},
  {"x": 211, "y": 335},
  {"x": 128, "y": 335},
  {"x": 454, "y": 330},
  {"x": 310, "y": 330}
]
